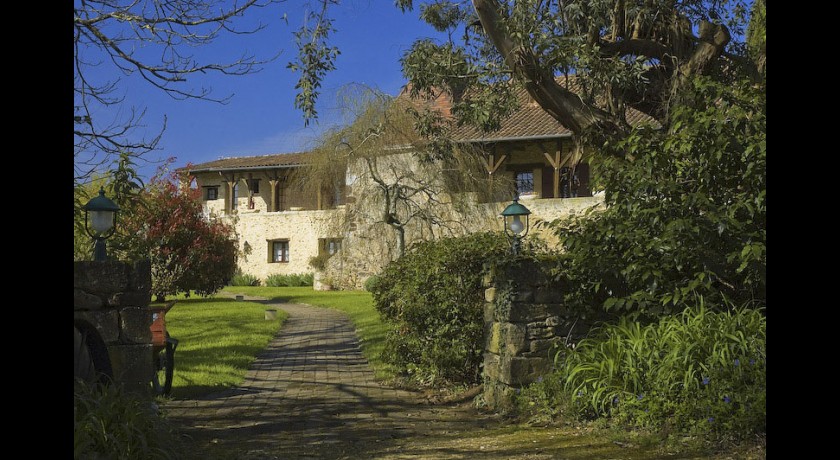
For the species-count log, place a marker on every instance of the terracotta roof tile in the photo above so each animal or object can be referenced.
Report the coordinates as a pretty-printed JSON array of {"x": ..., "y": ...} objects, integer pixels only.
[
  {"x": 253, "y": 162},
  {"x": 529, "y": 120}
]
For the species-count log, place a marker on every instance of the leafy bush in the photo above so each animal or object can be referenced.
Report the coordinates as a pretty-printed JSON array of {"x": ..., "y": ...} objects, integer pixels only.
[
  {"x": 371, "y": 282},
  {"x": 293, "y": 280},
  {"x": 244, "y": 279},
  {"x": 432, "y": 302},
  {"x": 685, "y": 211},
  {"x": 187, "y": 251},
  {"x": 699, "y": 372},
  {"x": 109, "y": 423},
  {"x": 319, "y": 262}
]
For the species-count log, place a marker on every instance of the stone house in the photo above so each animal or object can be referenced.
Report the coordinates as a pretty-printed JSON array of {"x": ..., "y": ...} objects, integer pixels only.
[{"x": 281, "y": 228}]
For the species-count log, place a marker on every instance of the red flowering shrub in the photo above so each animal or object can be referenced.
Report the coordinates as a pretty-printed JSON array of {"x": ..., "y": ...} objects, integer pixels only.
[{"x": 188, "y": 252}]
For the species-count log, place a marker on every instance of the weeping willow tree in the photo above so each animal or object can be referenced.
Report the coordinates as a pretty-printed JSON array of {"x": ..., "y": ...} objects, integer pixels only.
[{"x": 401, "y": 185}]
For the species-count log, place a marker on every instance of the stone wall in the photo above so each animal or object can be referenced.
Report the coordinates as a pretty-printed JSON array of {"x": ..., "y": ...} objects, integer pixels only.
[
  {"x": 301, "y": 229},
  {"x": 371, "y": 245},
  {"x": 111, "y": 299},
  {"x": 524, "y": 318}
]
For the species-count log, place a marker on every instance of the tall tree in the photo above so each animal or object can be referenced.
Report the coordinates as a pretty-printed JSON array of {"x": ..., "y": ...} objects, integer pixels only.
[
  {"x": 624, "y": 53},
  {"x": 686, "y": 214},
  {"x": 757, "y": 34}
]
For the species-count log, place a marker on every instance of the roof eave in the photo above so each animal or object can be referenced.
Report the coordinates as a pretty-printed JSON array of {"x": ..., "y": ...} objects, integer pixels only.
[
  {"x": 517, "y": 138},
  {"x": 245, "y": 168}
]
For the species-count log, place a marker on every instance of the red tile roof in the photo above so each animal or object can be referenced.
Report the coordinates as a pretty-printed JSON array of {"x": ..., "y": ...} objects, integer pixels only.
[
  {"x": 528, "y": 121},
  {"x": 278, "y": 160}
]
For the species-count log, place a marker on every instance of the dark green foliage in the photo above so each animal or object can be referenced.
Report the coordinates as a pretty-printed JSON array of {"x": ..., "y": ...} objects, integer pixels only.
[
  {"x": 698, "y": 372},
  {"x": 109, "y": 424},
  {"x": 314, "y": 60},
  {"x": 370, "y": 283},
  {"x": 686, "y": 211},
  {"x": 244, "y": 279},
  {"x": 432, "y": 301},
  {"x": 293, "y": 280}
]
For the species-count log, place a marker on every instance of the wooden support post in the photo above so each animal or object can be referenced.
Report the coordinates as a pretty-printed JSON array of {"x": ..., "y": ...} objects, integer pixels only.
[
  {"x": 230, "y": 198},
  {"x": 555, "y": 163},
  {"x": 492, "y": 166},
  {"x": 273, "y": 183}
]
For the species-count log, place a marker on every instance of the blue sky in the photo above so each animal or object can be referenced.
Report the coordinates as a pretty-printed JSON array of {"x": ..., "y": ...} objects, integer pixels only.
[{"x": 261, "y": 118}]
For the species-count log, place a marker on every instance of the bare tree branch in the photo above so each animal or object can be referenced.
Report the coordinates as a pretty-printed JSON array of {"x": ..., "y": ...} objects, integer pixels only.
[{"x": 147, "y": 38}]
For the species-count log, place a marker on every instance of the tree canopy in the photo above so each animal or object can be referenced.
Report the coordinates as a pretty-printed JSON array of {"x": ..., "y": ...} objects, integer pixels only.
[
  {"x": 626, "y": 53},
  {"x": 686, "y": 214}
]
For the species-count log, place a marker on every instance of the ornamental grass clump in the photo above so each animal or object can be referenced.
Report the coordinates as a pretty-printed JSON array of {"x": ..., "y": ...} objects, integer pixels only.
[
  {"x": 697, "y": 372},
  {"x": 109, "y": 423},
  {"x": 244, "y": 279}
]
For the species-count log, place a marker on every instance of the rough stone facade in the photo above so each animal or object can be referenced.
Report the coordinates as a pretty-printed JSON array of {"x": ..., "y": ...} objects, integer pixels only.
[
  {"x": 524, "y": 319},
  {"x": 111, "y": 304},
  {"x": 303, "y": 231},
  {"x": 354, "y": 216},
  {"x": 370, "y": 246}
]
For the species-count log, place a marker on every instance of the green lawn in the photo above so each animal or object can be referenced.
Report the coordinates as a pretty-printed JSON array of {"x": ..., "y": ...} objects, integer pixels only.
[
  {"x": 220, "y": 337},
  {"x": 218, "y": 340},
  {"x": 358, "y": 305}
]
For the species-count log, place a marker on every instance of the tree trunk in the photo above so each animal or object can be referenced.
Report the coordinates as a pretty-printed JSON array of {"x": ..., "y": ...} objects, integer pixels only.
[
  {"x": 562, "y": 104},
  {"x": 400, "y": 240}
]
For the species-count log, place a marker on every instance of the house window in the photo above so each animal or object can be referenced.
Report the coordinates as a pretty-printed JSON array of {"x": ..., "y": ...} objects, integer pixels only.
[
  {"x": 235, "y": 197},
  {"x": 330, "y": 246},
  {"x": 254, "y": 186},
  {"x": 211, "y": 193},
  {"x": 524, "y": 182},
  {"x": 279, "y": 251}
]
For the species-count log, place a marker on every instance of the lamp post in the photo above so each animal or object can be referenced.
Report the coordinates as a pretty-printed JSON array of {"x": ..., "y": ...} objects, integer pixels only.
[
  {"x": 100, "y": 222},
  {"x": 515, "y": 229}
]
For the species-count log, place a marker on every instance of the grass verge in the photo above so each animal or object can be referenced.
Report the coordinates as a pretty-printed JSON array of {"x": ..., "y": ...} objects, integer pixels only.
[
  {"x": 358, "y": 305},
  {"x": 218, "y": 339}
]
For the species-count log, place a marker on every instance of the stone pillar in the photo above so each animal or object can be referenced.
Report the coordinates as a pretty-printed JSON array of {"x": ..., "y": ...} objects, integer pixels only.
[
  {"x": 112, "y": 298},
  {"x": 524, "y": 318}
]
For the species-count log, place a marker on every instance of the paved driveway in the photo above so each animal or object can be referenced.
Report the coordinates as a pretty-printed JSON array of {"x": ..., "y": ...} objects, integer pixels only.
[{"x": 312, "y": 394}]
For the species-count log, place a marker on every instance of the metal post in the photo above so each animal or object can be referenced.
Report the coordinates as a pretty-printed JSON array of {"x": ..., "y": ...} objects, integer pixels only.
[{"x": 99, "y": 252}]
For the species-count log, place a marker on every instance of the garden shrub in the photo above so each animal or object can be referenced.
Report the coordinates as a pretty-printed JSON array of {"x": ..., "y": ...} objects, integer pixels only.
[
  {"x": 109, "y": 423},
  {"x": 370, "y": 283},
  {"x": 685, "y": 211},
  {"x": 244, "y": 279},
  {"x": 699, "y": 372},
  {"x": 293, "y": 280},
  {"x": 432, "y": 302}
]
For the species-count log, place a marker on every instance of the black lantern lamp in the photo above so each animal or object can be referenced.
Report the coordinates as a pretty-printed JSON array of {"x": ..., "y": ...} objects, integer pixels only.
[
  {"x": 515, "y": 228},
  {"x": 100, "y": 222}
]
